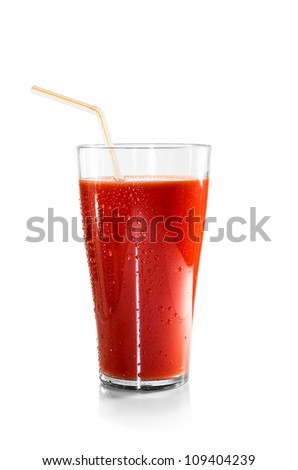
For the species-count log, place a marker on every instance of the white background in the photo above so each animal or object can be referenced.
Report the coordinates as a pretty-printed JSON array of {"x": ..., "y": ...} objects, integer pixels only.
[{"x": 222, "y": 72}]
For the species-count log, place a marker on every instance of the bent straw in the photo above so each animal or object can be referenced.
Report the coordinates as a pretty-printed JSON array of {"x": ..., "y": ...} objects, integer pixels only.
[{"x": 84, "y": 107}]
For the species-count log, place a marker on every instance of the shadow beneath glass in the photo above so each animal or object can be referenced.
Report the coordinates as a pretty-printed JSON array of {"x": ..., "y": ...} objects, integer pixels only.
[{"x": 146, "y": 409}]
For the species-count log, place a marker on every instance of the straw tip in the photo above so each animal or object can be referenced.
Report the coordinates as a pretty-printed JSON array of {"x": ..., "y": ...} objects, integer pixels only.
[{"x": 35, "y": 89}]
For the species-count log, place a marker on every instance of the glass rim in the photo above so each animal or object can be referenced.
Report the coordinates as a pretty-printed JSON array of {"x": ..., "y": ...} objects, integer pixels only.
[{"x": 145, "y": 146}]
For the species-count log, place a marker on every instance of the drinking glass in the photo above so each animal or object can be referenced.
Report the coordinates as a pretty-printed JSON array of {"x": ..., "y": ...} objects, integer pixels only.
[{"x": 143, "y": 238}]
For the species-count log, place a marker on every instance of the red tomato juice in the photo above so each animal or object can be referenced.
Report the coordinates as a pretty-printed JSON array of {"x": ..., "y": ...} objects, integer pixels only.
[{"x": 143, "y": 287}]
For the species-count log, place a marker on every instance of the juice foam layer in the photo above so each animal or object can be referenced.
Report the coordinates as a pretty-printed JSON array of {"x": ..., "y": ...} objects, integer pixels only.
[{"x": 143, "y": 178}]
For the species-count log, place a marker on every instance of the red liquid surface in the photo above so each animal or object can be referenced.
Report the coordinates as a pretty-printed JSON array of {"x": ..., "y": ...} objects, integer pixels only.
[{"x": 143, "y": 291}]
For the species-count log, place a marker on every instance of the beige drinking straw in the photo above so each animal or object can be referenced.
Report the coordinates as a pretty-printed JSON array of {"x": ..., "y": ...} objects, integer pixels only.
[{"x": 89, "y": 108}]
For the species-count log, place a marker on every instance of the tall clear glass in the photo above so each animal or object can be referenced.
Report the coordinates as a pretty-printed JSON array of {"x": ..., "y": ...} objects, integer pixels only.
[{"x": 143, "y": 237}]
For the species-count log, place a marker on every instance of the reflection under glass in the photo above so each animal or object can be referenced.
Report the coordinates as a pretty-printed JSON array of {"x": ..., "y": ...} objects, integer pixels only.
[{"x": 145, "y": 409}]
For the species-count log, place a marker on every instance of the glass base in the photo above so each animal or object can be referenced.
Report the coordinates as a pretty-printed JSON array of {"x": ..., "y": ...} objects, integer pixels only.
[{"x": 146, "y": 385}]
